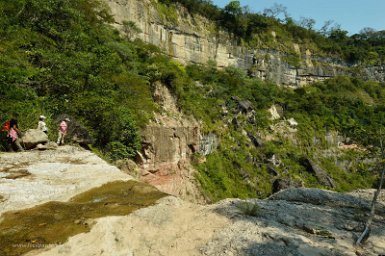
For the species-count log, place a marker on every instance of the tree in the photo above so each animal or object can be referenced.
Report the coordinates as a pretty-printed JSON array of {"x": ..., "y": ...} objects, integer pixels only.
[
  {"x": 130, "y": 29},
  {"x": 367, "y": 32},
  {"x": 233, "y": 8},
  {"x": 326, "y": 28},
  {"x": 276, "y": 10},
  {"x": 307, "y": 23},
  {"x": 365, "y": 234},
  {"x": 339, "y": 35},
  {"x": 232, "y": 14}
]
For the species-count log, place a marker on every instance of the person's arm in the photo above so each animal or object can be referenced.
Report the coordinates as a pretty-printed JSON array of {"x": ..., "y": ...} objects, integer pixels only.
[
  {"x": 65, "y": 128},
  {"x": 15, "y": 128}
]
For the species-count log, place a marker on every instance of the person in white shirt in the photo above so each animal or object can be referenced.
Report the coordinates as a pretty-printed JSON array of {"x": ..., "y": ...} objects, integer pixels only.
[{"x": 42, "y": 126}]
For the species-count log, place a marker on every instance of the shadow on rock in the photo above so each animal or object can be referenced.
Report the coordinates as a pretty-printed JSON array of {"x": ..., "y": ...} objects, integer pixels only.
[{"x": 298, "y": 221}]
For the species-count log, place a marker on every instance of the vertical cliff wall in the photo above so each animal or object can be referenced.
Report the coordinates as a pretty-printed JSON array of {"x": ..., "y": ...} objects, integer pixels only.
[
  {"x": 194, "y": 39},
  {"x": 168, "y": 144}
]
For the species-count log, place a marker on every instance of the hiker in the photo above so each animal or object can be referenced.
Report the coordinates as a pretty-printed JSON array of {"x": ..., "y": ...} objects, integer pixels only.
[
  {"x": 42, "y": 126},
  {"x": 13, "y": 134},
  {"x": 63, "y": 127},
  {"x": 5, "y": 127}
]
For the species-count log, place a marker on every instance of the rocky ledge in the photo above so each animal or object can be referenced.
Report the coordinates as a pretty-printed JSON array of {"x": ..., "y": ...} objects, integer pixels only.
[
  {"x": 35, "y": 177},
  {"x": 70, "y": 202}
]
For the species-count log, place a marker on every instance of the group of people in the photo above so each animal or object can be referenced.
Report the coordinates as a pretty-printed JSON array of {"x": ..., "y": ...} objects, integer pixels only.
[{"x": 13, "y": 132}]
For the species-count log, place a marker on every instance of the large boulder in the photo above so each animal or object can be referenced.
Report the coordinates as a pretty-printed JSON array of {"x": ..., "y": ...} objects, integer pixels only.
[
  {"x": 276, "y": 112},
  {"x": 285, "y": 183},
  {"x": 321, "y": 175},
  {"x": 33, "y": 137},
  {"x": 255, "y": 139},
  {"x": 76, "y": 132}
]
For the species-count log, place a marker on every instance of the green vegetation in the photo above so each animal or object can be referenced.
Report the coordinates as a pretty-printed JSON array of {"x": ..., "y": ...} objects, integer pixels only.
[
  {"x": 248, "y": 208},
  {"x": 353, "y": 107},
  {"x": 63, "y": 57}
]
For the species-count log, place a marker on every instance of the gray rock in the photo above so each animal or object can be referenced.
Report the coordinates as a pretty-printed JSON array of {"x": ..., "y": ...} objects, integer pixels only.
[
  {"x": 32, "y": 137},
  {"x": 321, "y": 175},
  {"x": 48, "y": 145},
  {"x": 272, "y": 171},
  {"x": 257, "y": 141},
  {"x": 208, "y": 143},
  {"x": 298, "y": 222},
  {"x": 245, "y": 106},
  {"x": 190, "y": 41},
  {"x": 281, "y": 184}
]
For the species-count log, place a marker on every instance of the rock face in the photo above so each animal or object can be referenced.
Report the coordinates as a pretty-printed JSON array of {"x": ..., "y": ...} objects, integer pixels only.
[
  {"x": 194, "y": 39},
  {"x": 300, "y": 222},
  {"x": 320, "y": 174},
  {"x": 33, "y": 137},
  {"x": 208, "y": 143},
  {"x": 281, "y": 184},
  {"x": 35, "y": 177},
  {"x": 168, "y": 143}
]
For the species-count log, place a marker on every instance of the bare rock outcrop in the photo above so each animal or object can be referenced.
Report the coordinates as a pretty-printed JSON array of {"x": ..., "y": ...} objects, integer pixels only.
[
  {"x": 300, "y": 222},
  {"x": 33, "y": 137},
  {"x": 35, "y": 177},
  {"x": 195, "y": 39},
  {"x": 168, "y": 144},
  {"x": 322, "y": 176},
  {"x": 296, "y": 221}
]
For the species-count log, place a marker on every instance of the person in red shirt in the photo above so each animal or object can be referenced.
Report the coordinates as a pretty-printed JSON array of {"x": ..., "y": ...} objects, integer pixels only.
[{"x": 13, "y": 134}]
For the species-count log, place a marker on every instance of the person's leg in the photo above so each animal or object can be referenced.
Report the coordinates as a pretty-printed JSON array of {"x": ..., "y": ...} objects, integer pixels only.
[
  {"x": 17, "y": 143},
  {"x": 9, "y": 147},
  {"x": 9, "y": 144},
  {"x": 59, "y": 138}
]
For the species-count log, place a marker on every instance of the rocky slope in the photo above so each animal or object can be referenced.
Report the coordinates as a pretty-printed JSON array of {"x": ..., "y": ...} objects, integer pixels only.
[
  {"x": 48, "y": 196},
  {"x": 195, "y": 39},
  {"x": 294, "y": 222},
  {"x": 291, "y": 222},
  {"x": 35, "y": 177}
]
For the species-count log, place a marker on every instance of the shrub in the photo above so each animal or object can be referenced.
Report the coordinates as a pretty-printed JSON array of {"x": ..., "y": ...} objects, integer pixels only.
[{"x": 248, "y": 208}]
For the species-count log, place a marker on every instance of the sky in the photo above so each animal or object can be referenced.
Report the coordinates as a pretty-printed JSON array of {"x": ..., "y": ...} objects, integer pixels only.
[{"x": 352, "y": 15}]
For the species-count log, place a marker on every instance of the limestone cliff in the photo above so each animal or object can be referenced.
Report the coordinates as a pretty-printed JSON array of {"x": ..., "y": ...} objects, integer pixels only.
[
  {"x": 168, "y": 143},
  {"x": 194, "y": 39}
]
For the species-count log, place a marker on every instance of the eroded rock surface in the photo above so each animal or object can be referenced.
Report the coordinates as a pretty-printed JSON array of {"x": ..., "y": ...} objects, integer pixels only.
[
  {"x": 195, "y": 39},
  {"x": 168, "y": 143},
  {"x": 298, "y": 222},
  {"x": 35, "y": 177},
  {"x": 33, "y": 137}
]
